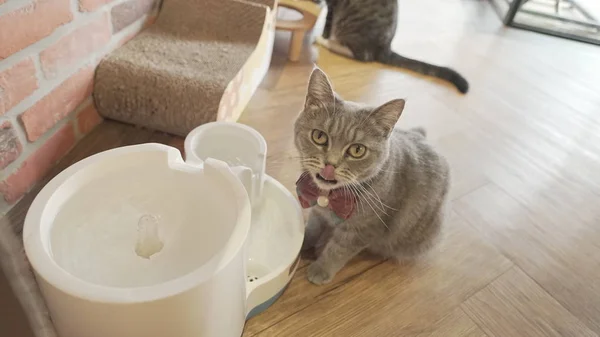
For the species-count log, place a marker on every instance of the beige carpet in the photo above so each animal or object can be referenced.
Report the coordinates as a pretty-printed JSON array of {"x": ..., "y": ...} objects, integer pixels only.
[{"x": 172, "y": 76}]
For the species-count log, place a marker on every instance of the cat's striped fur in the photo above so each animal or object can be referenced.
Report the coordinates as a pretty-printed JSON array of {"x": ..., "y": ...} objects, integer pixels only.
[{"x": 401, "y": 182}]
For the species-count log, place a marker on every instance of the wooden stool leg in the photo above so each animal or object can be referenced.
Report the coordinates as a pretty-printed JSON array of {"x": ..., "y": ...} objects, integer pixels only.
[{"x": 296, "y": 45}]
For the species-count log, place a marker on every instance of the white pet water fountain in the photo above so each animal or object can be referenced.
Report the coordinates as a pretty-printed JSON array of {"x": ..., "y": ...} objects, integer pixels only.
[{"x": 135, "y": 242}]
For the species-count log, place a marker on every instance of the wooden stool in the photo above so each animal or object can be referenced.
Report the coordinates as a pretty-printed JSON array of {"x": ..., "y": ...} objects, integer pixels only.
[{"x": 310, "y": 12}]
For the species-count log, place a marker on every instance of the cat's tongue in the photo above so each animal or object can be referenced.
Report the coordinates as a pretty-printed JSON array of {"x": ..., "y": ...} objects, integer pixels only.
[{"x": 328, "y": 172}]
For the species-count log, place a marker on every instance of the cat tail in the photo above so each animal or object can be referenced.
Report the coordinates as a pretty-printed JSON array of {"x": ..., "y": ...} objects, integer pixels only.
[{"x": 427, "y": 69}]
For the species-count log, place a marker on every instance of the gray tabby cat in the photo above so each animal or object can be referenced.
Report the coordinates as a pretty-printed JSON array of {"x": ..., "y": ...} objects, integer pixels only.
[
  {"x": 18, "y": 272},
  {"x": 364, "y": 30},
  {"x": 400, "y": 181}
]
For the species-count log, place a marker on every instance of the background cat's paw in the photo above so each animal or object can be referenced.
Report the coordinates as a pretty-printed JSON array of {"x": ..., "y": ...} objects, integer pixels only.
[
  {"x": 317, "y": 275},
  {"x": 320, "y": 40}
]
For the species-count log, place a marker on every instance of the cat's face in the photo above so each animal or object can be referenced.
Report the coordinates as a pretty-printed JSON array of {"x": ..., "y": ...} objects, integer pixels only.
[{"x": 340, "y": 142}]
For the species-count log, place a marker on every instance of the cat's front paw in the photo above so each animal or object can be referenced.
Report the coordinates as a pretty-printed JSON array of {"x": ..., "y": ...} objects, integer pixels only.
[
  {"x": 307, "y": 244},
  {"x": 308, "y": 250},
  {"x": 318, "y": 275}
]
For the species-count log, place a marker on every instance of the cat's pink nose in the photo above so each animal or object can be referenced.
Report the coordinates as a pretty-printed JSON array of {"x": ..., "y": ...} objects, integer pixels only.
[{"x": 328, "y": 172}]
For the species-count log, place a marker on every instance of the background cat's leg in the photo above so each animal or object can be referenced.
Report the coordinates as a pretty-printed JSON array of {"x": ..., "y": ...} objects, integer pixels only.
[
  {"x": 335, "y": 47},
  {"x": 341, "y": 248},
  {"x": 360, "y": 53},
  {"x": 328, "y": 20}
]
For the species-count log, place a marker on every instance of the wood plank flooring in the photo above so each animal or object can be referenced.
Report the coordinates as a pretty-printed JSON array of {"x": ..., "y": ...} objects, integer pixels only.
[{"x": 520, "y": 254}]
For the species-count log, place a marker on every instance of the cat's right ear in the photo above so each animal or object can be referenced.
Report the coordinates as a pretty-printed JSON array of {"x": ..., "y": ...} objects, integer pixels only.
[
  {"x": 388, "y": 114},
  {"x": 319, "y": 91}
]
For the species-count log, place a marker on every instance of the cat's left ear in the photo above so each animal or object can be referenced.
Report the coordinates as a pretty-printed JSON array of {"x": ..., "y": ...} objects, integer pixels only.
[
  {"x": 388, "y": 114},
  {"x": 319, "y": 90}
]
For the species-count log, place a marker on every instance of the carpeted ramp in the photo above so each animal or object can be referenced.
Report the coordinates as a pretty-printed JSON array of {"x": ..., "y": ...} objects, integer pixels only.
[{"x": 200, "y": 62}]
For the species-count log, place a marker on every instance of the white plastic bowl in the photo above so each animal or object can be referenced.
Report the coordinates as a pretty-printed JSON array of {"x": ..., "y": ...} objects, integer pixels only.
[
  {"x": 80, "y": 236},
  {"x": 135, "y": 242}
]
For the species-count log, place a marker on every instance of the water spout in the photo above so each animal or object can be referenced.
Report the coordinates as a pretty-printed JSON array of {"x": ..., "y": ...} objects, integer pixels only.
[{"x": 148, "y": 241}]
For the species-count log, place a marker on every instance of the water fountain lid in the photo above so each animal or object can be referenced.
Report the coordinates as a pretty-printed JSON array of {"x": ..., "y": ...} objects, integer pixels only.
[
  {"x": 239, "y": 145},
  {"x": 48, "y": 202},
  {"x": 233, "y": 135}
]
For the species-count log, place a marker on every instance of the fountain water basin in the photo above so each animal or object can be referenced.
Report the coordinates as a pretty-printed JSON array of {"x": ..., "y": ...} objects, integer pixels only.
[
  {"x": 135, "y": 242},
  {"x": 277, "y": 229}
]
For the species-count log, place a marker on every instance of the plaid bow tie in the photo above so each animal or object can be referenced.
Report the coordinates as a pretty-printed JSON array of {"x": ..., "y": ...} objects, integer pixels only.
[{"x": 342, "y": 202}]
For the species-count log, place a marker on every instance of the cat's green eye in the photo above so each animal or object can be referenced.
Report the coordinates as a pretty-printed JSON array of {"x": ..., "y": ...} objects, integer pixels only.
[
  {"x": 319, "y": 137},
  {"x": 357, "y": 151}
]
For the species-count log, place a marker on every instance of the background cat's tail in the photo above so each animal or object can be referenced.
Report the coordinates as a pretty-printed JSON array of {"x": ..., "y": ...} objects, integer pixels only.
[
  {"x": 427, "y": 69},
  {"x": 420, "y": 130}
]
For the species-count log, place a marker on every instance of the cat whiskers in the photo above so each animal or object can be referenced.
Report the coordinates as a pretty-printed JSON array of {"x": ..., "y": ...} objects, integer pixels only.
[
  {"x": 346, "y": 193},
  {"x": 372, "y": 194},
  {"x": 310, "y": 160},
  {"x": 389, "y": 171},
  {"x": 377, "y": 195},
  {"x": 310, "y": 163},
  {"x": 353, "y": 190},
  {"x": 376, "y": 202},
  {"x": 304, "y": 175},
  {"x": 364, "y": 194},
  {"x": 347, "y": 176},
  {"x": 372, "y": 191},
  {"x": 349, "y": 189},
  {"x": 279, "y": 162},
  {"x": 279, "y": 159}
]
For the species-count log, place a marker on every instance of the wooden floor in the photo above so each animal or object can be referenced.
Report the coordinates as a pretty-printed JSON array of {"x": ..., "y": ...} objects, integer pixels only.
[{"x": 521, "y": 252}]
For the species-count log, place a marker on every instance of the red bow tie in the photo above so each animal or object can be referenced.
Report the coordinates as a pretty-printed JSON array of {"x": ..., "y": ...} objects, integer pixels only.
[{"x": 341, "y": 201}]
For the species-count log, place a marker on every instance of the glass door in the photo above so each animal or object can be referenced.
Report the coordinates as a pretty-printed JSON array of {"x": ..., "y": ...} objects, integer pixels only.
[{"x": 572, "y": 19}]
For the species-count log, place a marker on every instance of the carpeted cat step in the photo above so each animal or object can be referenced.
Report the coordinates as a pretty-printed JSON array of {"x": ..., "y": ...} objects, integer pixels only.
[{"x": 200, "y": 62}]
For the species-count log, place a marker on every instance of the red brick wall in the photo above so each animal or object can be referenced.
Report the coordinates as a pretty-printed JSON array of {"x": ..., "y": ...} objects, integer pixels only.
[{"x": 48, "y": 53}]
